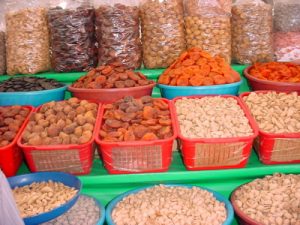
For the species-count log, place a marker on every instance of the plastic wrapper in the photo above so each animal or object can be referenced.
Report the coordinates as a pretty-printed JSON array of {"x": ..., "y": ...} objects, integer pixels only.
[
  {"x": 162, "y": 32},
  {"x": 27, "y": 37},
  {"x": 208, "y": 26},
  {"x": 118, "y": 32},
  {"x": 252, "y": 28},
  {"x": 72, "y": 36},
  {"x": 8, "y": 208},
  {"x": 287, "y": 15},
  {"x": 287, "y": 46},
  {"x": 2, "y": 44}
]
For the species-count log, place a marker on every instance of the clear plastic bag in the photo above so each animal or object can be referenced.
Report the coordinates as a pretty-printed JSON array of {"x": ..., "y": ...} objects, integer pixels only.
[
  {"x": 252, "y": 28},
  {"x": 287, "y": 15},
  {"x": 72, "y": 36},
  {"x": 287, "y": 46},
  {"x": 8, "y": 208},
  {"x": 2, "y": 43},
  {"x": 27, "y": 37},
  {"x": 208, "y": 26},
  {"x": 118, "y": 32},
  {"x": 162, "y": 32}
]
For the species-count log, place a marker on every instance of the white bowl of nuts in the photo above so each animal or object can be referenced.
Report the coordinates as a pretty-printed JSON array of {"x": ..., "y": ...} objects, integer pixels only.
[
  {"x": 43, "y": 196},
  {"x": 170, "y": 204}
]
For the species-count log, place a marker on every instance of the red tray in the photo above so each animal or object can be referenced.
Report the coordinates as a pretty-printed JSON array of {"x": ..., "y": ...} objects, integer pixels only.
[
  {"x": 74, "y": 159},
  {"x": 136, "y": 156},
  {"x": 216, "y": 153},
  {"x": 276, "y": 148},
  {"x": 11, "y": 156}
]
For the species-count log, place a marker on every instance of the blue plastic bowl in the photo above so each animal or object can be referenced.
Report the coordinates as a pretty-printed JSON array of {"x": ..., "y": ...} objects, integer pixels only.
[
  {"x": 219, "y": 197},
  {"x": 66, "y": 179},
  {"x": 34, "y": 98},
  {"x": 171, "y": 92}
]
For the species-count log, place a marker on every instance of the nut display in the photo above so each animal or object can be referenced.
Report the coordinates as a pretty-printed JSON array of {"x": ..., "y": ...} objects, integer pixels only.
[
  {"x": 275, "y": 112},
  {"x": 2, "y": 53},
  {"x": 20, "y": 84},
  {"x": 72, "y": 38},
  {"x": 170, "y": 205},
  {"x": 212, "y": 117},
  {"x": 270, "y": 200},
  {"x": 11, "y": 120},
  {"x": 198, "y": 68},
  {"x": 252, "y": 32},
  {"x": 61, "y": 123},
  {"x": 27, "y": 41},
  {"x": 84, "y": 212},
  {"x": 132, "y": 119},
  {"x": 112, "y": 76},
  {"x": 163, "y": 35},
  {"x": 118, "y": 34},
  {"x": 287, "y": 46},
  {"x": 208, "y": 27},
  {"x": 42, "y": 197}
]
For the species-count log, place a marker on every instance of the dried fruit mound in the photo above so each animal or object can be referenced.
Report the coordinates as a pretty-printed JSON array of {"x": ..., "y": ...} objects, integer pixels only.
[
  {"x": 132, "y": 119},
  {"x": 113, "y": 75},
  {"x": 198, "y": 68},
  {"x": 276, "y": 71}
]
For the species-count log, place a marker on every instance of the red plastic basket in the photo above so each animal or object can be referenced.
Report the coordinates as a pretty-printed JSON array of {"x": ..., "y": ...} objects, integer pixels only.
[
  {"x": 276, "y": 148},
  {"x": 11, "y": 156},
  {"x": 216, "y": 153},
  {"x": 136, "y": 156},
  {"x": 74, "y": 159}
]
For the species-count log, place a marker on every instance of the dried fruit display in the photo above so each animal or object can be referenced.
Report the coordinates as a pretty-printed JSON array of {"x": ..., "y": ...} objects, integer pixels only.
[
  {"x": 276, "y": 71},
  {"x": 11, "y": 120},
  {"x": 198, "y": 68},
  {"x": 132, "y": 119},
  {"x": 118, "y": 33},
  {"x": 113, "y": 75}
]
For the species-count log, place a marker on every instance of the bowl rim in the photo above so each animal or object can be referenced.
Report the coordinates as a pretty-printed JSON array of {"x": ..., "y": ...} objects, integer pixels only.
[
  {"x": 116, "y": 200},
  {"x": 73, "y": 89},
  {"x": 268, "y": 82},
  {"x": 20, "y": 93}
]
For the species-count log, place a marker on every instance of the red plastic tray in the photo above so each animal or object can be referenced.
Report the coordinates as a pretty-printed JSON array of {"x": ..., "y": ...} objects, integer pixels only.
[
  {"x": 276, "y": 148},
  {"x": 74, "y": 159},
  {"x": 11, "y": 156},
  {"x": 136, "y": 156},
  {"x": 216, "y": 153}
]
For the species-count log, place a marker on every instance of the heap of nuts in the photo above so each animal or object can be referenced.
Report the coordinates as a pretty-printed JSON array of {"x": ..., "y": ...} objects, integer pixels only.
[
  {"x": 113, "y": 75},
  {"x": 84, "y": 212},
  {"x": 11, "y": 120},
  {"x": 270, "y": 200},
  {"x": 275, "y": 112},
  {"x": 42, "y": 197},
  {"x": 67, "y": 122},
  {"x": 162, "y": 205},
  {"x": 132, "y": 119},
  {"x": 212, "y": 117}
]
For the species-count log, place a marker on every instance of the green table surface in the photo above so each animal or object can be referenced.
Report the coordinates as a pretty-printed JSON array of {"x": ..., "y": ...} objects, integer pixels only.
[{"x": 105, "y": 187}]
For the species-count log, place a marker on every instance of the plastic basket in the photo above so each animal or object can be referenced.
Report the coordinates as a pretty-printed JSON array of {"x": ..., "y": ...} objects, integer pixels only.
[
  {"x": 136, "y": 156},
  {"x": 216, "y": 153},
  {"x": 74, "y": 159},
  {"x": 276, "y": 148},
  {"x": 11, "y": 156}
]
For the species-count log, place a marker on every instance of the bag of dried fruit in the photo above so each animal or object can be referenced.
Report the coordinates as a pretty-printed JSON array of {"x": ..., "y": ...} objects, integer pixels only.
[
  {"x": 2, "y": 43},
  {"x": 287, "y": 46},
  {"x": 27, "y": 37},
  {"x": 8, "y": 208},
  {"x": 72, "y": 35},
  {"x": 208, "y": 26},
  {"x": 118, "y": 32},
  {"x": 252, "y": 28},
  {"x": 162, "y": 32}
]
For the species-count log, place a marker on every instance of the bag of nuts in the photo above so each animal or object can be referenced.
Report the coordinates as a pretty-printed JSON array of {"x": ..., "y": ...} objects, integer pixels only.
[
  {"x": 72, "y": 36},
  {"x": 2, "y": 44},
  {"x": 287, "y": 46},
  {"x": 252, "y": 27},
  {"x": 118, "y": 32},
  {"x": 208, "y": 26},
  {"x": 27, "y": 37},
  {"x": 162, "y": 32}
]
